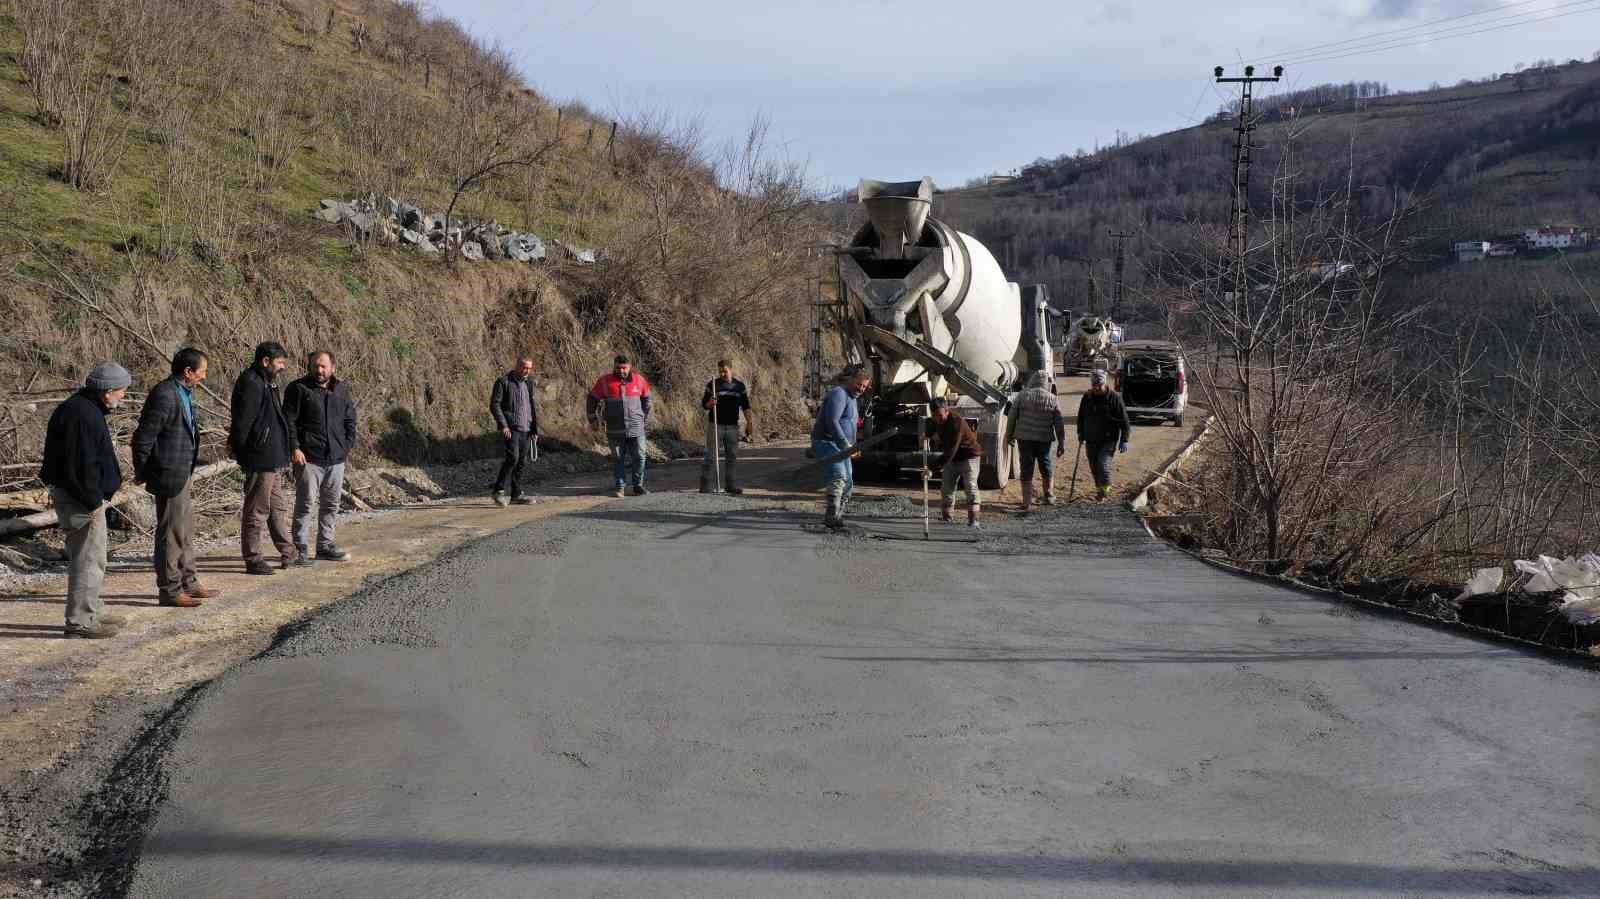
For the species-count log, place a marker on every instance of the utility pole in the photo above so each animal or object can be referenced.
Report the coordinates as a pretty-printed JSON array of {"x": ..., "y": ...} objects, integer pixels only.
[
  {"x": 1119, "y": 259},
  {"x": 1239, "y": 218}
]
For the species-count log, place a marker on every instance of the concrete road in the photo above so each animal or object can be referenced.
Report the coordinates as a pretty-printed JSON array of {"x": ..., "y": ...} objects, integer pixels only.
[{"x": 700, "y": 696}]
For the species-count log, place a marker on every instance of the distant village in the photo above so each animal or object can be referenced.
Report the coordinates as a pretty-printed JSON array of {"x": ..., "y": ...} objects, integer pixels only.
[{"x": 1532, "y": 240}]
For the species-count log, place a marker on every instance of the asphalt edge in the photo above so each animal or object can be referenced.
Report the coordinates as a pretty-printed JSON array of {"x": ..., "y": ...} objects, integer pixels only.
[
  {"x": 1141, "y": 501},
  {"x": 119, "y": 813}
]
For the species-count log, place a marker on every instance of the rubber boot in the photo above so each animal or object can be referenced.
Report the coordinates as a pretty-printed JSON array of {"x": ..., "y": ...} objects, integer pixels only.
[
  {"x": 944, "y": 511},
  {"x": 1027, "y": 496},
  {"x": 1049, "y": 494},
  {"x": 972, "y": 518},
  {"x": 705, "y": 485},
  {"x": 831, "y": 516},
  {"x": 732, "y": 489}
]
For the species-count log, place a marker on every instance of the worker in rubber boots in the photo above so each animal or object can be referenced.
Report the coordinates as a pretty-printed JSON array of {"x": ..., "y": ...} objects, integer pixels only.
[
  {"x": 962, "y": 457},
  {"x": 724, "y": 400},
  {"x": 1036, "y": 421},
  {"x": 834, "y": 434},
  {"x": 1102, "y": 429}
]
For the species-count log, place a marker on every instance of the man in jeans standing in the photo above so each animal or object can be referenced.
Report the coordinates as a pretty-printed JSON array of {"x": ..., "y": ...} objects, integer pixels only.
[
  {"x": 80, "y": 468},
  {"x": 258, "y": 437},
  {"x": 620, "y": 403},
  {"x": 322, "y": 428},
  {"x": 1036, "y": 421},
  {"x": 516, "y": 414},
  {"x": 963, "y": 456},
  {"x": 731, "y": 399},
  {"x": 166, "y": 446}
]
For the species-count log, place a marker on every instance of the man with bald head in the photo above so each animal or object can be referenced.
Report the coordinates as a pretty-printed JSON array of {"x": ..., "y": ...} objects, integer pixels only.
[
  {"x": 322, "y": 429},
  {"x": 516, "y": 414}
]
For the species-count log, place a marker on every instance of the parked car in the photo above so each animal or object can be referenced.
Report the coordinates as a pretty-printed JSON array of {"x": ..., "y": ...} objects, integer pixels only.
[{"x": 1152, "y": 380}]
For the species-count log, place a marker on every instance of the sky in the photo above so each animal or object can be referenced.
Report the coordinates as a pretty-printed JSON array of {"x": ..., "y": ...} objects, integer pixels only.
[{"x": 955, "y": 89}]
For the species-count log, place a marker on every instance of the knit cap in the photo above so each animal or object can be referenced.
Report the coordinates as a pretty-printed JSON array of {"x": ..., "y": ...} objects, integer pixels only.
[{"x": 107, "y": 376}]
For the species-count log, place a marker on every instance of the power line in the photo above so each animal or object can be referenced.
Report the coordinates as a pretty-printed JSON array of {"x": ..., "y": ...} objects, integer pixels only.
[
  {"x": 1589, "y": 6},
  {"x": 1421, "y": 25}
]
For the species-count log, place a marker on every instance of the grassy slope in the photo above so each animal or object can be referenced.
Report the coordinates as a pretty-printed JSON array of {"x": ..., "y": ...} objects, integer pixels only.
[
  {"x": 1485, "y": 159},
  {"x": 420, "y": 343}
]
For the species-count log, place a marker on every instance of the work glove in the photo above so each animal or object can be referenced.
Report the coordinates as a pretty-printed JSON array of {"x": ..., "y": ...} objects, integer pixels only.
[
  {"x": 1061, "y": 450},
  {"x": 1122, "y": 447}
]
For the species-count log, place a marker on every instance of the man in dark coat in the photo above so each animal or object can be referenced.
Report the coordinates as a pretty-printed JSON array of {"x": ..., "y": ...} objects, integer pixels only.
[
  {"x": 258, "y": 437},
  {"x": 322, "y": 428},
  {"x": 1102, "y": 429},
  {"x": 166, "y": 446},
  {"x": 80, "y": 468},
  {"x": 515, "y": 408}
]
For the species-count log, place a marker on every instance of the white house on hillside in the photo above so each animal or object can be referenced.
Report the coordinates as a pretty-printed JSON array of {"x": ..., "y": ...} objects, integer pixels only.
[{"x": 1559, "y": 238}]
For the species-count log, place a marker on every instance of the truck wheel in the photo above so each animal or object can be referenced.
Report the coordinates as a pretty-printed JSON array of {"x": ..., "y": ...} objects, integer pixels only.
[{"x": 995, "y": 471}]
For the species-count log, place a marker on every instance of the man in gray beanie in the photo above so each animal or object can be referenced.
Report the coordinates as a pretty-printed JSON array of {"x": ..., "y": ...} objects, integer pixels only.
[
  {"x": 80, "y": 468},
  {"x": 1102, "y": 429}
]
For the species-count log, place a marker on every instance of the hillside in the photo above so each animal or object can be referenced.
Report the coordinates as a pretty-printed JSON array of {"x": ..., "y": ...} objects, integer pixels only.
[
  {"x": 161, "y": 161},
  {"x": 1481, "y": 159}
]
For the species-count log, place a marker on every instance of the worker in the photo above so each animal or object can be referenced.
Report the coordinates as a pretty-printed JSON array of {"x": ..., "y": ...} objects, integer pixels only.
[
  {"x": 166, "y": 447},
  {"x": 620, "y": 404},
  {"x": 515, "y": 408},
  {"x": 833, "y": 435},
  {"x": 322, "y": 429},
  {"x": 258, "y": 437},
  {"x": 1036, "y": 421},
  {"x": 732, "y": 400},
  {"x": 1102, "y": 429},
  {"x": 80, "y": 468},
  {"x": 962, "y": 456}
]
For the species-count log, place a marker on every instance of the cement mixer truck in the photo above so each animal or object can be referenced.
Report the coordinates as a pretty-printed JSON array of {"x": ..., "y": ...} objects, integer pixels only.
[{"x": 928, "y": 309}]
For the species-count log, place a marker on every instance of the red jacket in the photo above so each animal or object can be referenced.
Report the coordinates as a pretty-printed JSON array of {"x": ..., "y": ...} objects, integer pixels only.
[{"x": 626, "y": 403}]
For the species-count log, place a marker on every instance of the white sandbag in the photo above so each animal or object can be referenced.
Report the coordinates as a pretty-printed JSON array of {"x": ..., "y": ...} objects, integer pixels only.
[{"x": 1487, "y": 580}]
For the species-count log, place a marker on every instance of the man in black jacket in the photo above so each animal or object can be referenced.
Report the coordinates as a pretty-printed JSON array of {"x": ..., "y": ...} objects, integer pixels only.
[
  {"x": 258, "y": 436},
  {"x": 516, "y": 414},
  {"x": 80, "y": 468},
  {"x": 166, "y": 446},
  {"x": 1102, "y": 429},
  {"x": 322, "y": 428}
]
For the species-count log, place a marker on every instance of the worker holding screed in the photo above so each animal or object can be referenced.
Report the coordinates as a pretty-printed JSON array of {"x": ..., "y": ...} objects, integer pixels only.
[
  {"x": 725, "y": 400},
  {"x": 833, "y": 435},
  {"x": 962, "y": 458}
]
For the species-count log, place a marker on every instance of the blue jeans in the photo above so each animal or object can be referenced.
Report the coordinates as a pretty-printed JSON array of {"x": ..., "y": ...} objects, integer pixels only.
[
  {"x": 628, "y": 456},
  {"x": 1036, "y": 452},
  {"x": 840, "y": 474}
]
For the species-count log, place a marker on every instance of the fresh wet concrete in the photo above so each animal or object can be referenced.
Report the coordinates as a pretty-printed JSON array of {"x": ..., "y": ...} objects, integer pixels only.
[{"x": 699, "y": 696}]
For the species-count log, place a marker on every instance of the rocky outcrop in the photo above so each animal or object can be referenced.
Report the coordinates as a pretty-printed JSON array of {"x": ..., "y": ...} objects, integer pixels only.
[{"x": 393, "y": 222}]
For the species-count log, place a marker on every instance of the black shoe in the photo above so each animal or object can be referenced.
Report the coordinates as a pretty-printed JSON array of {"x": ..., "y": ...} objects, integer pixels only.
[
  {"x": 302, "y": 560},
  {"x": 332, "y": 554},
  {"x": 523, "y": 500},
  {"x": 91, "y": 632},
  {"x": 261, "y": 568},
  {"x": 638, "y": 490},
  {"x": 833, "y": 524},
  {"x": 735, "y": 491}
]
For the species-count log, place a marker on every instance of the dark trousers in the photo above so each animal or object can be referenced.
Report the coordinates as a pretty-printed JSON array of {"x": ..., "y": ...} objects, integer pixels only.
[
  {"x": 1100, "y": 453},
  {"x": 519, "y": 451},
  {"x": 175, "y": 571}
]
